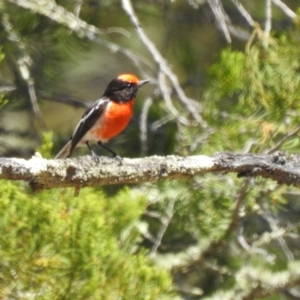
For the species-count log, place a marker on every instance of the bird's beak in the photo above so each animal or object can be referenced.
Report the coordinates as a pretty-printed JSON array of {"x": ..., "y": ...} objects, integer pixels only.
[{"x": 142, "y": 82}]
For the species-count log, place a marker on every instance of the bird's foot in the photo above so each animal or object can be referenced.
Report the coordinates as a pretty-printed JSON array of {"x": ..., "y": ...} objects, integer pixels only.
[
  {"x": 118, "y": 158},
  {"x": 95, "y": 157}
]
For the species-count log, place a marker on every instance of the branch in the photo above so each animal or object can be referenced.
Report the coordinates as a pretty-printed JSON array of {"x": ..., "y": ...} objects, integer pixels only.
[
  {"x": 83, "y": 171},
  {"x": 6, "y": 88},
  {"x": 268, "y": 22},
  {"x": 164, "y": 72},
  {"x": 221, "y": 17},
  {"x": 60, "y": 15},
  {"x": 143, "y": 124},
  {"x": 255, "y": 283},
  {"x": 244, "y": 13},
  {"x": 283, "y": 140},
  {"x": 281, "y": 241},
  {"x": 24, "y": 63},
  {"x": 285, "y": 9},
  {"x": 165, "y": 223}
]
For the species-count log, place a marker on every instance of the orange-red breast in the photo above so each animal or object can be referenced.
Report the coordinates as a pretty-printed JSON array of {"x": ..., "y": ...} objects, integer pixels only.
[{"x": 106, "y": 117}]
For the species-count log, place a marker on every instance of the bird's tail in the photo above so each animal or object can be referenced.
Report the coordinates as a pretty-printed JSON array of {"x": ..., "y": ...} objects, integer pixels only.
[{"x": 65, "y": 151}]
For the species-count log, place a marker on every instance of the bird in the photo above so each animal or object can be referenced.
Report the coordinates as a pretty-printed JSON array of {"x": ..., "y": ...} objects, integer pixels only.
[{"x": 105, "y": 118}]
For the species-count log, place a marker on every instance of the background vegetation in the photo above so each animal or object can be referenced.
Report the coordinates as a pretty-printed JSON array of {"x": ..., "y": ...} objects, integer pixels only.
[{"x": 224, "y": 77}]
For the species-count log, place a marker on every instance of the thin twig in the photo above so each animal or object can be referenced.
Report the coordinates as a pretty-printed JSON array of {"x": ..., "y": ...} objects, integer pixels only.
[
  {"x": 244, "y": 12},
  {"x": 281, "y": 241},
  {"x": 236, "y": 212},
  {"x": 239, "y": 33},
  {"x": 143, "y": 125},
  {"x": 253, "y": 250},
  {"x": 153, "y": 214},
  {"x": 61, "y": 16},
  {"x": 285, "y": 9},
  {"x": 166, "y": 92},
  {"x": 7, "y": 88},
  {"x": 78, "y": 8},
  {"x": 24, "y": 64},
  {"x": 283, "y": 140},
  {"x": 221, "y": 17},
  {"x": 268, "y": 22},
  {"x": 268, "y": 237},
  {"x": 161, "y": 122},
  {"x": 192, "y": 106},
  {"x": 200, "y": 139},
  {"x": 137, "y": 59},
  {"x": 165, "y": 223}
]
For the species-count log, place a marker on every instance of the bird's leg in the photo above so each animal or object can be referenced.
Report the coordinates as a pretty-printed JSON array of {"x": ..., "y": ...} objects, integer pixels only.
[
  {"x": 115, "y": 155},
  {"x": 93, "y": 154},
  {"x": 111, "y": 151}
]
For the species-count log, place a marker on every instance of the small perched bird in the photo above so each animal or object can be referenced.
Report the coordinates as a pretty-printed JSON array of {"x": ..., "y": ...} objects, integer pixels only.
[{"x": 107, "y": 117}]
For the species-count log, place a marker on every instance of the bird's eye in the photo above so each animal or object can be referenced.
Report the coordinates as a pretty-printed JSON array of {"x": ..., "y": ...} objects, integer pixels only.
[{"x": 129, "y": 85}]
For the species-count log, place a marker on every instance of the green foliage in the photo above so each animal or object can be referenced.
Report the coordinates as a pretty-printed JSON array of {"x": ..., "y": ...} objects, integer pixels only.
[
  {"x": 251, "y": 102},
  {"x": 264, "y": 80},
  {"x": 252, "y": 95},
  {"x": 3, "y": 101},
  {"x": 47, "y": 145},
  {"x": 195, "y": 208},
  {"x": 219, "y": 239},
  {"x": 55, "y": 246}
]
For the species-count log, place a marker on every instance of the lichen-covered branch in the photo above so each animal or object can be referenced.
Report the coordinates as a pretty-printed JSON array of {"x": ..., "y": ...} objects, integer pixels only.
[
  {"x": 84, "y": 171},
  {"x": 255, "y": 283}
]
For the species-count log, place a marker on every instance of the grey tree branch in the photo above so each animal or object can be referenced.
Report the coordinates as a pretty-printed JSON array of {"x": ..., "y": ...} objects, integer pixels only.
[
  {"x": 251, "y": 282},
  {"x": 285, "y": 9},
  {"x": 221, "y": 17},
  {"x": 165, "y": 223},
  {"x": 143, "y": 124},
  {"x": 83, "y": 171},
  {"x": 244, "y": 13},
  {"x": 283, "y": 140},
  {"x": 224, "y": 23},
  {"x": 24, "y": 63},
  {"x": 164, "y": 72},
  {"x": 60, "y": 15},
  {"x": 268, "y": 22}
]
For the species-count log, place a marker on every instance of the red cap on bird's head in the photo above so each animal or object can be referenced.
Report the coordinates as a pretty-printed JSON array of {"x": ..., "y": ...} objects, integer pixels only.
[
  {"x": 123, "y": 88},
  {"x": 130, "y": 78}
]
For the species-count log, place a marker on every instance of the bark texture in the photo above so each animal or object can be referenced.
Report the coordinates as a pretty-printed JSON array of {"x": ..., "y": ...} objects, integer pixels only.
[{"x": 84, "y": 171}]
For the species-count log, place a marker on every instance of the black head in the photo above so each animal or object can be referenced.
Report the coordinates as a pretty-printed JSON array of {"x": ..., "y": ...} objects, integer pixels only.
[{"x": 123, "y": 88}]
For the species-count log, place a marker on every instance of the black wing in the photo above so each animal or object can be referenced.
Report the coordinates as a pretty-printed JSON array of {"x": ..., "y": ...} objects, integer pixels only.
[{"x": 87, "y": 121}]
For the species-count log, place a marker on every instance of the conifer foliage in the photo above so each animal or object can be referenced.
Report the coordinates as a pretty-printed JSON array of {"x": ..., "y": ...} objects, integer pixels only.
[{"x": 214, "y": 236}]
